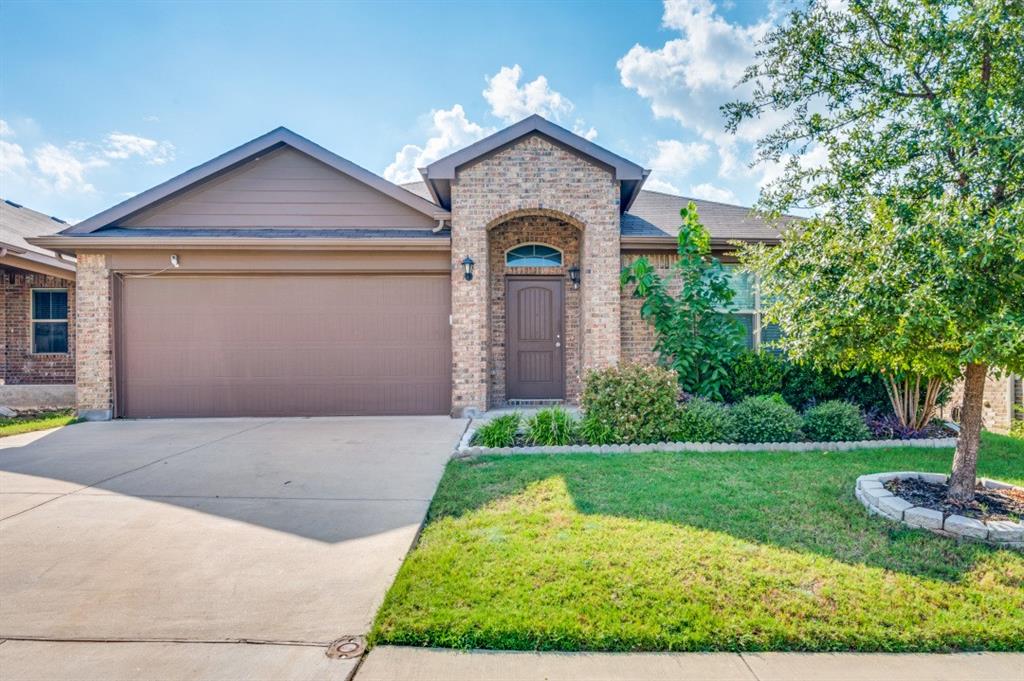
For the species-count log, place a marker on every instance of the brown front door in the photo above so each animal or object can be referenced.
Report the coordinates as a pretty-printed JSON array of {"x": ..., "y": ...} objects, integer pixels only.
[{"x": 534, "y": 365}]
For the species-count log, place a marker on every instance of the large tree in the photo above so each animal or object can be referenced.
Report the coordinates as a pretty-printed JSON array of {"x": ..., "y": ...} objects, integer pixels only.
[{"x": 914, "y": 112}]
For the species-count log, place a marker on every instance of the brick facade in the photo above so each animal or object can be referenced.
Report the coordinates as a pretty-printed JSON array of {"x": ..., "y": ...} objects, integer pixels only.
[
  {"x": 531, "y": 176},
  {"x": 526, "y": 230},
  {"x": 93, "y": 325},
  {"x": 18, "y": 364},
  {"x": 998, "y": 406},
  {"x": 637, "y": 334}
]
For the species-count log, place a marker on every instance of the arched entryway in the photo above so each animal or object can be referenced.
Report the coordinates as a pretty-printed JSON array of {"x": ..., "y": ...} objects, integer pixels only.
[{"x": 534, "y": 320}]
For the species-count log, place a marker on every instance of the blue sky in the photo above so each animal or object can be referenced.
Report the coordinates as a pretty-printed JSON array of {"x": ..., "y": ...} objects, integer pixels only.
[{"x": 99, "y": 101}]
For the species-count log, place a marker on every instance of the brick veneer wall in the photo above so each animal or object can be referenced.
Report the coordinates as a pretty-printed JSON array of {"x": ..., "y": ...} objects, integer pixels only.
[
  {"x": 637, "y": 334},
  {"x": 531, "y": 176},
  {"x": 997, "y": 410},
  {"x": 18, "y": 364},
  {"x": 525, "y": 230},
  {"x": 94, "y": 393}
]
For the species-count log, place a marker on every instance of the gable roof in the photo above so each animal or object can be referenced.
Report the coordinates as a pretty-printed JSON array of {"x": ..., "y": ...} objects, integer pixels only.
[
  {"x": 18, "y": 223},
  {"x": 230, "y": 160},
  {"x": 439, "y": 174}
]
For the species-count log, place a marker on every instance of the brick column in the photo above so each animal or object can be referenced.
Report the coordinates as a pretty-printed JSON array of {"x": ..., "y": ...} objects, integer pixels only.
[
  {"x": 94, "y": 357},
  {"x": 470, "y": 321},
  {"x": 601, "y": 265}
]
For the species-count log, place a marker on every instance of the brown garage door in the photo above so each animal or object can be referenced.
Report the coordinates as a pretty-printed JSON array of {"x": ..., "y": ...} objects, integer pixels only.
[{"x": 283, "y": 345}]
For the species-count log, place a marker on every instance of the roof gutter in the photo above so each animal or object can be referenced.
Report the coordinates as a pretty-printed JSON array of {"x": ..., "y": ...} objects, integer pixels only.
[
  {"x": 72, "y": 244},
  {"x": 670, "y": 243}
]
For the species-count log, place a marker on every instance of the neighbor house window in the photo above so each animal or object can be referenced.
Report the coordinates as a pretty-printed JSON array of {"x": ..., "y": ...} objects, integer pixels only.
[
  {"x": 533, "y": 255},
  {"x": 747, "y": 300},
  {"x": 49, "y": 320}
]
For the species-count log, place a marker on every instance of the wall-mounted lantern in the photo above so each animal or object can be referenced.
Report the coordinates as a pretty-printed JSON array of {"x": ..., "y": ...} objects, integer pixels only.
[
  {"x": 467, "y": 268},
  {"x": 574, "y": 276}
]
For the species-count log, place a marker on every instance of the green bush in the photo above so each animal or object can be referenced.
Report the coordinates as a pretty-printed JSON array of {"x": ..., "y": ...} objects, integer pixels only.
[
  {"x": 704, "y": 421},
  {"x": 498, "y": 432},
  {"x": 766, "y": 419},
  {"x": 593, "y": 431},
  {"x": 1017, "y": 426},
  {"x": 551, "y": 427},
  {"x": 755, "y": 373},
  {"x": 636, "y": 402},
  {"x": 835, "y": 421}
]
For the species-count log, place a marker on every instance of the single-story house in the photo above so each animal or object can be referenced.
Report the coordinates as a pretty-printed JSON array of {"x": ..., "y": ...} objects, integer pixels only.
[
  {"x": 282, "y": 279},
  {"x": 37, "y": 302}
]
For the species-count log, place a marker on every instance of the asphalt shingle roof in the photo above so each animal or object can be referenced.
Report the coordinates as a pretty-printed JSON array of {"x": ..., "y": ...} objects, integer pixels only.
[
  {"x": 18, "y": 222},
  {"x": 656, "y": 214}
]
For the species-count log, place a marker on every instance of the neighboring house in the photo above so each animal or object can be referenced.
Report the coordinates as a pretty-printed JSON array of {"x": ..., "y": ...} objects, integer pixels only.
[
  {"x": 282, "y": 279},
  {"x": 37, "y": 335}
]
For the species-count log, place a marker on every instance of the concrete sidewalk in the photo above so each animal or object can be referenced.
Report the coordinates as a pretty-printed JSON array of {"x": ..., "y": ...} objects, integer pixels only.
[{"x": 394, "y": 663}]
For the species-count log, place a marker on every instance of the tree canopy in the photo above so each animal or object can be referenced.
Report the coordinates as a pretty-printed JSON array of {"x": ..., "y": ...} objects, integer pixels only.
[{"x": 914, "y": 114}]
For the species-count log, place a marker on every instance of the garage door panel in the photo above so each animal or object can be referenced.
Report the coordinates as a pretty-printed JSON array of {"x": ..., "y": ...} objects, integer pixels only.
[{"x": 285, "y": 345}]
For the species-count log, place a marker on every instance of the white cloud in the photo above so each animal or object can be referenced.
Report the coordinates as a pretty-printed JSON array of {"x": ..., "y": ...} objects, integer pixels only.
[
  {"x": 690, "y": 77},
  {"x": 675, "y": 157},
  {"x": 657, "y": 184},
  {"x": 63, "y": 169},
  {"x": 12, "y": 158},
  {"x": 5, "y": 130},
  {"x": 511, "y": 102},
  {"x": 151, "y": 119},
  {"x": 450, "y": 131},
  {"x": 120, "y": 145},
  {"x": 710, "y": 192}
]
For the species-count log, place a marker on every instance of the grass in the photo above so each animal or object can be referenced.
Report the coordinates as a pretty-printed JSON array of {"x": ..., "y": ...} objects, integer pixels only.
[
  {"x": 698, "y": 551},
  {"x": 38, "y": 421}
]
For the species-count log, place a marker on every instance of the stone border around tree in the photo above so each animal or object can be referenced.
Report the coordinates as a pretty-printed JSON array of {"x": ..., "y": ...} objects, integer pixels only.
[
  {"x": 465, "y": 450},
  {"x": 878, "y": 500}
]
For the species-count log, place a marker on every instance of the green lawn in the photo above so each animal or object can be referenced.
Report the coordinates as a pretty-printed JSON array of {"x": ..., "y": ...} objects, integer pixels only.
[
  {"x": 41, "y": 421},
  {"x": 688, "y": 551}
]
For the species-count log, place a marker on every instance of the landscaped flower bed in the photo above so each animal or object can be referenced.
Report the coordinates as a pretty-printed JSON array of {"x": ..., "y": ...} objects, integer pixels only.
[
  {"x": 638, "y": 408},
  {"x": 919, "y": 500}
]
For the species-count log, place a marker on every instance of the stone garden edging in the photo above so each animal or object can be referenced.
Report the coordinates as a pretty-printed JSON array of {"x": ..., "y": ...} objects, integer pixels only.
[
  {"x": 871, "y": 492},
  {"x": 464, "y": 450}
]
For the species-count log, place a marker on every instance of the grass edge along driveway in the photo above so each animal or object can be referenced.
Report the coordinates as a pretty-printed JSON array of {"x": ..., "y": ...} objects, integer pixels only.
[
  {"x": 41, "y": 421},
  {"x": 725, "y": 551}
]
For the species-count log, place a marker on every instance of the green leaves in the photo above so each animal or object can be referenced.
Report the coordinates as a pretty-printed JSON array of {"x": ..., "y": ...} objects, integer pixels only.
[{"x": 691, "y": 308}]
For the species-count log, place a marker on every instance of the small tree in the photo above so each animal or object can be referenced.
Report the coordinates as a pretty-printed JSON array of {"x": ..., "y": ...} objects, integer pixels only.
[
  {"x": 696, "y": 333},
  {"x": 917, "y": 259}
]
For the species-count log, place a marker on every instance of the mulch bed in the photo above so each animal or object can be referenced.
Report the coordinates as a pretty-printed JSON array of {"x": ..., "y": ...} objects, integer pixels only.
[{"x": 988, "y": 504}]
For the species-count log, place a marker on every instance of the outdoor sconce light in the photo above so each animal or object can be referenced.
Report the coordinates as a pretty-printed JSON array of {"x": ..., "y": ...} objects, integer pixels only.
[
  {"x": 574, "y": 276},
  {"x": 467, "y": 268}
]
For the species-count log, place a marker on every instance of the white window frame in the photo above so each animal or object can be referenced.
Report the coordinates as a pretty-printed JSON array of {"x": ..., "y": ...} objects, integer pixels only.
[
  {"x": 33, "y": 321},
  {"x": 561, "y": 255}
]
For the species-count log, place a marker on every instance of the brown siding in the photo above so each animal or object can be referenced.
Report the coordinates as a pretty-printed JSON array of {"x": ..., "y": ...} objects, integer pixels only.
[
  {"x": 18, "y": 364},
  {"x": 284, "y": 345},
  {"x": 285, "y": 188}
]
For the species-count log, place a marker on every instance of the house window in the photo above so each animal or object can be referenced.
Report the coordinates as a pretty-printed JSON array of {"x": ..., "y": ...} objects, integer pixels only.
[
  {"x": 533, "y": 255},
  {"x": 50, "y": 320},
  {"x": 747, "y": 299}
]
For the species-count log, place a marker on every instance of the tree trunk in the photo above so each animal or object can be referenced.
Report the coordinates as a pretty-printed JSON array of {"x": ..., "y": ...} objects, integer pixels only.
[{"x": 965, "y": 460}]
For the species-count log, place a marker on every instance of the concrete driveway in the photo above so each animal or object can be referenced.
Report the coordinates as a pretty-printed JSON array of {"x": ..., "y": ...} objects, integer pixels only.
[{"x": 157, "y": 549}]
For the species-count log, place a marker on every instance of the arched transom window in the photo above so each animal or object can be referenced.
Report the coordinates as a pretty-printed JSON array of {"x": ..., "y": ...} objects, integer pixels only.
[{"x": 533, "y": 255}]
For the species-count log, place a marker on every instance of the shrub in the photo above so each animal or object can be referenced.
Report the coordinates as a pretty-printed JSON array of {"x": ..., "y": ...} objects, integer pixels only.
[
  {"x": 835, "y": 421},
  {"x": 704, "y": 421},
  {"x": 766, "y": 419},
  {"x": 803, "y": 385},
  {"x": 636, "y": 402},
  {"x": 593, "y": 431},
  {"x": 885, "y": 425},
  {"x": 551, "y": 427},
  {"x": 755, "y": 373},
  {"x": 498, "y": 432}
]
